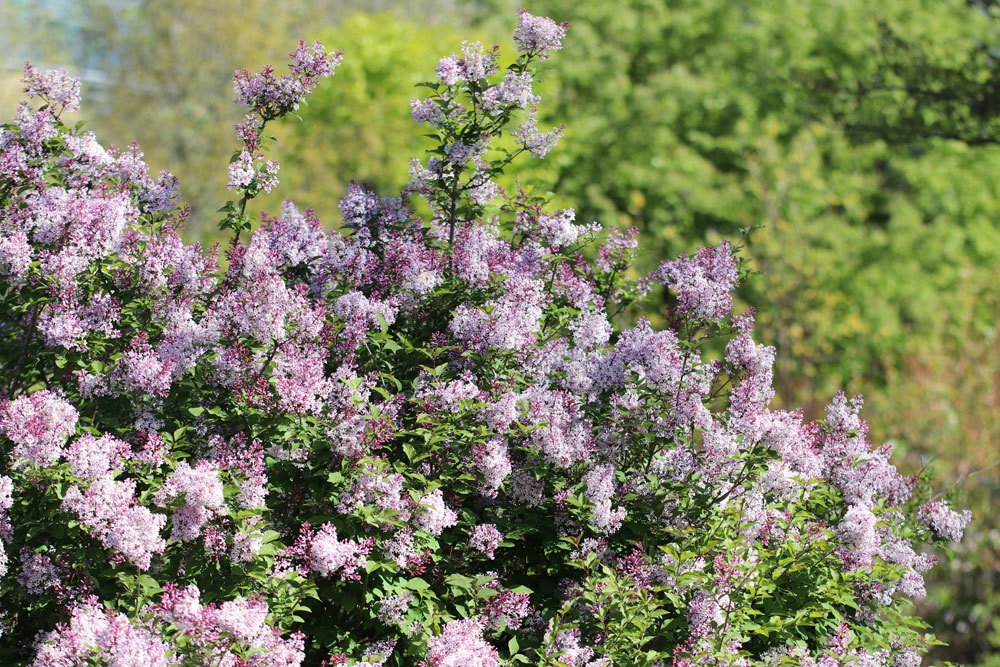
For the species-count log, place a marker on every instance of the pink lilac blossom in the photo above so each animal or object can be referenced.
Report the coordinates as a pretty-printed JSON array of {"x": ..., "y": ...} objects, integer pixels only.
[
  {"x": 201, "y": 491},
  {"x": 426, "y": 111},
  {"x": 485, "y": 538},
  {"x": 482, "y": 190},
  {"x": 460, "y": 152},
  {"x": 296, "y": 237},
  {"x": 245, "y": 172},
  {"x": 591, "y": 330},
  {"x": 536, "y": 142},
  {"x": 392, "y": 608},
  {"x": 242, "y": 171},
  {"x": 513, "y": 321},
  {"x": 373, "y": 487},
  {"x": 91, "y": 457},
  {"x": 328, "y": 555},
  {"x": 400, "y": 549},
  {"x": 753, "y": 363},
  {"x": 433, "y": 515},
  {"x": 227, "y": 632},
  {"x": 524, "y": 488},
  {"x": 15, "y": 255},
  {"x": 161, "y": 195},
  {"x": 502, "y": 412},
  {"x": 897, "y": 550},
  {"x": 54, "y": 85},
  {"x": 705, "y": 613},
  {"x": 450, "y": 395},
  {"x": 271, "y": 96},
  {"x": 359, "y": 207},
  {"x": 141, "y": 370},
  {"x": 507, "y": 609},
  {"x": 559, "y": 429},
  {"x": 378, "y": 653},
  {"x": 655, "y": 358},
  {"x": 600, "y": 481},
  {"x": 86, "y": 148},
  {"x": 461, "y": 644},
  {"x": 243, "y": 618},
  {"x": 67, "y": 322},
  {"x": 559, "y": 230},
  {"x": 361, "y": 314},
  {"x": 266, "y": 311},
  {"x": 35, "y": 127},
  {"x": 110, "y": 510},
  {"x": 300, "y": 379},
  {"x": 14, "y": 159},
  {"x": 479, "y": 254},
  {"x": 87, "y": 226},
  {"x": 129, "y": 165},
  {"x": 538, "y": 35},
  {"x": 857, "y": 531},
  {"x": 180, "y": 606},
  {"x": 245, "y": 547},
  {"x": 38, "y": 425},
  {"x": 312, "y": 62},
  {"x": 248, "y": 132},
  {"x": 943, "y": 520},
  {"x": 95, "y": 633},
  {"x": 474, "y": 64},
  {"x": 515, "y": 89},
  {"x": 492, "y": 459},
  {"x": 244, "y": 464},
  {"x": 569, "y": 650},
  {"x": 862, "y": 475},
  {"x": 704, "y": 283},
  {"x": 38, "y": 572}
]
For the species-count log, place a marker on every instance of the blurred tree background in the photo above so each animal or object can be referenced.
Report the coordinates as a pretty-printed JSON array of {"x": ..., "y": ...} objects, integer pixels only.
[{"x": 861, "y": 140}]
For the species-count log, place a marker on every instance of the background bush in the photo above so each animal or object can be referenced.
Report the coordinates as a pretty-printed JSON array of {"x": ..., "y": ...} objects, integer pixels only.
[{"x": 860, "y": 137}]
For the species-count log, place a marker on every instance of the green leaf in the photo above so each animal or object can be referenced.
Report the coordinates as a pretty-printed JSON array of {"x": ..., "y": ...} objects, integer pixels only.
[{"x": 417, "y": 584}]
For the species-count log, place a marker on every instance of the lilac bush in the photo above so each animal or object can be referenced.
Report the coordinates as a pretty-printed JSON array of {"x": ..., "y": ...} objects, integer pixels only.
[{"x": 421, "y": 439}]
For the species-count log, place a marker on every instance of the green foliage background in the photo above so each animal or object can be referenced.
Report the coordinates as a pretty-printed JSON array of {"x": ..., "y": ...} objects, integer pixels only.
[{"x": 860, "y": 139}]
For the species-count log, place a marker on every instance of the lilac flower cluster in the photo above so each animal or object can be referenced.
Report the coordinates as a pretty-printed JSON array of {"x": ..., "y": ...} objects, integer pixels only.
[
  {"x": 485, "y": 539},
  {"x": 273, "y": 96},
  {"x": 95, "y": 633},
  {"x": 55, "y": 86},
  {"x": 38, "y": 426},
  {"x": 474, "y": 64},
  {"x": 461, "y": 643},
  {"x": 538, "y": 34},
  {"x": 704, "y": 283},
  {"x": 226, "y": 631}
]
